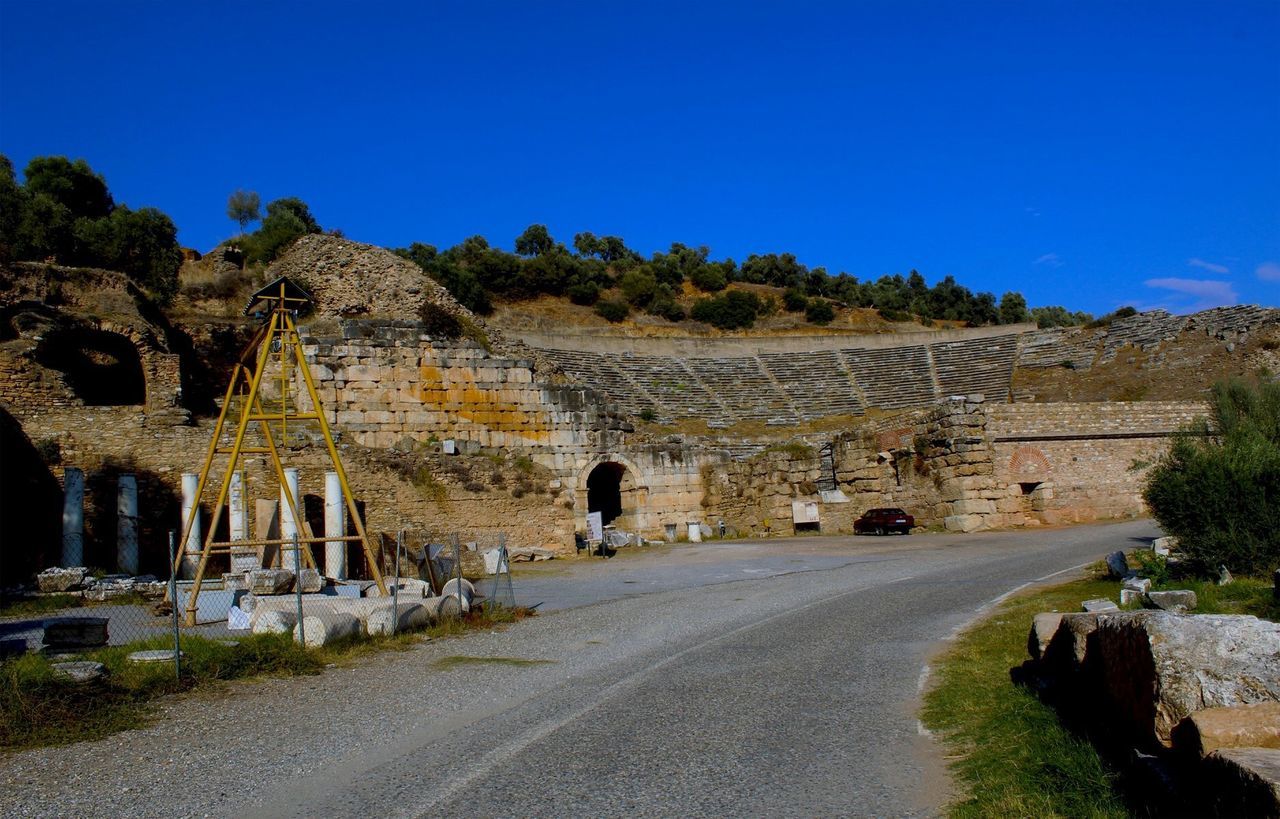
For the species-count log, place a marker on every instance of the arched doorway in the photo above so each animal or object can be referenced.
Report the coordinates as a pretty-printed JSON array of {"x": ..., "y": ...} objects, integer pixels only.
[
  {"x": 604, "y": 491},
  {"x": 103, "y": 369}
]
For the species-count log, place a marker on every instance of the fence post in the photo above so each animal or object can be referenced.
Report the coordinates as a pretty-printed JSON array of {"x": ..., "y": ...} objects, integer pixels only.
[
  {"x": 457, "y": 569},
  {"x": 297, "y": 587},
  {"x": 173, "y": 596},
  {"x": 395, "y": 586}
]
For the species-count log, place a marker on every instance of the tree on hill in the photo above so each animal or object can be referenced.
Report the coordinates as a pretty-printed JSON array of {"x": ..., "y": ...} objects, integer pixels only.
[
  {"x": 1058, "y": 316},
  {"x": 74, "y": 185},
  {"x": 65, "y": 212},
  {"x": 287, "y": 219},
  {"x": 459, "y": 281},
  {"x": 243, "y": 208},
  {"x": 535, "y": 241},
  {"x": 1013, "y": 308}
]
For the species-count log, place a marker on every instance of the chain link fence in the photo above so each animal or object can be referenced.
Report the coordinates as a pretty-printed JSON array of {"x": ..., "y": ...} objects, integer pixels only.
[{"x": 69, "y": 614}]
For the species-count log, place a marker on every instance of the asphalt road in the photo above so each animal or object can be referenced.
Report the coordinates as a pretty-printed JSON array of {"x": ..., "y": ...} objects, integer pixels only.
[{"x": 753, "y": 678}]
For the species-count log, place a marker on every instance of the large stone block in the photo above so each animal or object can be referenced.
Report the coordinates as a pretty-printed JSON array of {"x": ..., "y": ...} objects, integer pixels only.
[
  {"x": 1244, "y": 781},
  {"x": 1241, "y": 726},
  {"x": 1155, "y": 668},
  {"x": 61, "y": 580},
  {"x": 963, "y": 523},
  {"x": 973, "y": 506}
]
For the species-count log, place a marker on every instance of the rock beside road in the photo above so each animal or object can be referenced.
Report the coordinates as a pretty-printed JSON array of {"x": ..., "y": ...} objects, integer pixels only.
[
  {"x": 1155, "y": 668},
  {"x": 1241, "y": 726}
]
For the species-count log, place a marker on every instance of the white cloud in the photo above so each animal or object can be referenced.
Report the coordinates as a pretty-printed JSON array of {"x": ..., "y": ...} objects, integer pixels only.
[
  {"x": 1210, "y": 266},
  {"x": 1269, "y": 271},
  {"x": 1196, "y": 294},
  {"x": 1051, "y": 259}
]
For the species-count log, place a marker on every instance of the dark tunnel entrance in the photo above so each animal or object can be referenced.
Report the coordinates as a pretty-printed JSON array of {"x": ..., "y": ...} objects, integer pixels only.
[
  {"x": 604, "y": 491},
  {"x": 103, "y": 369}
]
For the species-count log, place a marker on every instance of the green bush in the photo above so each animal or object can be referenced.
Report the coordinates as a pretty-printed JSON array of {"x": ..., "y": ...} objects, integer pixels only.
[
  {"x": 794, "y": 300},
  {"x": 733, "y": 310},
  {"x": 437, "y": 321},
  {"x": 1217, "y": 489},
  {"x": 613, "y": 311},
  {"x": 819, "y": 312},
  {"x": 709, "y": 278},
  {"x": 667, "y": 308},
  {"x": 894, "y": 315},
  {"x": 586, "y": 293}
]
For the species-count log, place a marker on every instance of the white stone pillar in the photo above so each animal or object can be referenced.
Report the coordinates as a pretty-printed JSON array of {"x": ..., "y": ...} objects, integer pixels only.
[
  {"x": 127, "y": 524},
  {"x": 695, "y": 531},
  {"x": 191, "y": 511},
  {"x": 335, "y": 525},
  {"x": 72, "y": 517},
  {"x": 238, "y": 517},
  {"x": 289, "y": 526}
]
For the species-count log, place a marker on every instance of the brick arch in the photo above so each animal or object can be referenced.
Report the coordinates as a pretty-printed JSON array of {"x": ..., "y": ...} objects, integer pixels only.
[
  {"x": 633, "y": 487},
  {"x": 161, "y": 369},
  {"x": 1029, "y": 462}
]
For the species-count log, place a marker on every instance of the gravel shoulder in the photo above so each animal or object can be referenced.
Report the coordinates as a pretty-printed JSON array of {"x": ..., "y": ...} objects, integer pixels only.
[{"x": 775, "y": 675}]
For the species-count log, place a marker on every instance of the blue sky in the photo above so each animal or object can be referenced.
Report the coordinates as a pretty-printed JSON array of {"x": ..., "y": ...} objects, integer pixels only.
[{"x": 1086, "y": 154}]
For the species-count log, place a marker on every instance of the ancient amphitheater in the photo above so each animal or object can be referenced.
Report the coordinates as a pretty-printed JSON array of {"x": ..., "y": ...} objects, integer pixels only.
[{"x": 657, "y": 434}]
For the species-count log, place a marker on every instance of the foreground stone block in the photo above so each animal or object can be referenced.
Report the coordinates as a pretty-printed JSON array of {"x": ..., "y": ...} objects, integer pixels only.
[
  {"x": 1241, "y": 726},
  {"x": 322, "y": 628},
  {"x": 963, "y": 523},
  {"x": 61, "y": 580},
  {"x": 1179, "y": 600},
  {"x": 405, "y": 617},
  {"x": 269, "y": 581},
  {"x": 1068, "y": 647},
  {"x": 1137, "y": 584},
  {"x": 75, "y": 632},
  {"x": 1244, "y": 781},
  {"x": 1099, "y": 604},
  {"x": 159, "y": 655},
  {"x": 1117, "y": 565},
  {"x": 310, "y": 581},
  {"x": 81, "y": 672},
  {"x": 1043, "y": 627},
  {"x": 274, "y": 622},
  {"x": 1155, "y": 668}
]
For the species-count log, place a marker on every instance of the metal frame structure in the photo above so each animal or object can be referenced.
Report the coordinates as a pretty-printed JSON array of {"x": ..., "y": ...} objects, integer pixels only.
[{"x": 277, "y": 341}]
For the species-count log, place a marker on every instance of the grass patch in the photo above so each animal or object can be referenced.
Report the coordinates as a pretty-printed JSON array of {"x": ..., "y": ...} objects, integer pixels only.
[
  {"x": 462, "y": 660},
  {"x": 47, "y": 603},
  {"x": 1010, "y": 754},
  {"x": 1243, "y": 595},
  {"x": 43, "y": 604},
  {"x": 37, "y": 708}
]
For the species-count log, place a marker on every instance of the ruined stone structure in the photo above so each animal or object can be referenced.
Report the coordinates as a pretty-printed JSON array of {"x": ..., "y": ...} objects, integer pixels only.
[{"x": 655, "y": 436}]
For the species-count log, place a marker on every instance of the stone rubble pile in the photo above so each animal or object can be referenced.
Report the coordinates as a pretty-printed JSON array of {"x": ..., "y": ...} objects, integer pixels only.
[
  {"x": 1195, "y": 697},
  {"x": 77, "y": 579}
]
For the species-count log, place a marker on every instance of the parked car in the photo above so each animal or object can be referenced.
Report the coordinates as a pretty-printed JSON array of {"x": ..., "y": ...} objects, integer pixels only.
[{"x": 883, "y": 521}]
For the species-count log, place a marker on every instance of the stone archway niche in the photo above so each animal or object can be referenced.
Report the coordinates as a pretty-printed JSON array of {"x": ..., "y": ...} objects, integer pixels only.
[{"x": 614, "y": 487}]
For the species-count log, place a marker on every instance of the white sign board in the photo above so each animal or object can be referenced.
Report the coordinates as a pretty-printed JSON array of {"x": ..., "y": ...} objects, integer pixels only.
[
  {"x": 595, "y": 526},
  {"x": 804, "y": 511}
]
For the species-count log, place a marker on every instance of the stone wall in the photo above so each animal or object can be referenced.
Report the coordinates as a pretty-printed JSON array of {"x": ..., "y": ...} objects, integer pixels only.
[
  {"x": 1076, "y": 462},
  {"x": 389, "y": 384}
]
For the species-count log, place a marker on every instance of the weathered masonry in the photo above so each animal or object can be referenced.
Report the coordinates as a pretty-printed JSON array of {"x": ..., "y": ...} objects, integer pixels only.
[{"x": 481, "y": 433}]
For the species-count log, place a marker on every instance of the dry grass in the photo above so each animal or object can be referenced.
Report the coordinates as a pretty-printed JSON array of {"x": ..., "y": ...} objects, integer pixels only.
[
  {"x": 37, "y": 708},
  {"x": 1010, "y": 754}
]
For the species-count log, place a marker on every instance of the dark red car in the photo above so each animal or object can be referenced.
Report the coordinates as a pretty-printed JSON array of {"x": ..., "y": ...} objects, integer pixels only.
[{"x": 883, "y": 521}]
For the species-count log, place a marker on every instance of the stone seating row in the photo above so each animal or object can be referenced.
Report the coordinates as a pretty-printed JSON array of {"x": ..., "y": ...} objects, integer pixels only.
[
  {"x": 781, "y": 388},
  {"x": 982, "y": 365}
]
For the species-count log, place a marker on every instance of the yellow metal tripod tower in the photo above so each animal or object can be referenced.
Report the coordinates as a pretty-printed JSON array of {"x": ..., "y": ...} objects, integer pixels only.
[{"x": 276, "y": 343}]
